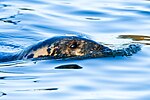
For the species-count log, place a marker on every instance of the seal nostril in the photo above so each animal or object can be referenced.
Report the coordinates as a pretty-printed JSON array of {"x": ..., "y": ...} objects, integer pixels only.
[{"x": 74, "y": 45}]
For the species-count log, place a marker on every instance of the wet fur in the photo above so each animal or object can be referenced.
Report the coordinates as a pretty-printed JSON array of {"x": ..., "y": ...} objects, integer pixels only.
[{"x": 69, "y": 47}]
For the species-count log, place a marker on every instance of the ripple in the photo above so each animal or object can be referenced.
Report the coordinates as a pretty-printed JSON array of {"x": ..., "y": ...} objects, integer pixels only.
[
  {"x": 93, "y": 18},
  {"x": 147, "y": 13},
  {"x": 10, "y": 19},
  {"x": 25, "y": 22},
  {"x": 2, "y": 94},
  {"x": 70, "y": 66},
  {"x": 17, "y": 77},
  {"x": 4, "y": 5},
  {"x": 83, "y": 88},
  {"x": 89, "y": 13},
  {"x": 142, "y": 39},
  {"x": 47, "y": 89},
  {"x": 28, "y": 9}
]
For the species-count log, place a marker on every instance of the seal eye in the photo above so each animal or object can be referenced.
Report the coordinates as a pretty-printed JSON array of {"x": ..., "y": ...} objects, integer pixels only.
[{"x": 74, "y": 45}]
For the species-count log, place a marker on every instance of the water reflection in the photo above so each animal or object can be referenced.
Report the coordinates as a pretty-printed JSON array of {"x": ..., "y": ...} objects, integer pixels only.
[
  {"x": 93, "y": 18},
  {"x": 139, "y": 38},
  {"x": 102, "y": 78},
  {"x": 135, "y": 37},
  {"x": 46, "y": 89},
  {"x": 11, "y": 19},
  {"x": 4, "y": 5},
  {"x": 17, "y": 77},
  {"x": 28, "y": 9},
  {"x": 69, "y": 66},
  {"x": 2, "y": 94}
]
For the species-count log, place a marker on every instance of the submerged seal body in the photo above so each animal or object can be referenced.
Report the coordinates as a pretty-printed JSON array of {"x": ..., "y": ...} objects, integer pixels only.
[{"x": 70, "y": 47}]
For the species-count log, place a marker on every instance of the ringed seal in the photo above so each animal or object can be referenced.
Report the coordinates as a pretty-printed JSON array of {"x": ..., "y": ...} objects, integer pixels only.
[{"x": 69, "y": 47}]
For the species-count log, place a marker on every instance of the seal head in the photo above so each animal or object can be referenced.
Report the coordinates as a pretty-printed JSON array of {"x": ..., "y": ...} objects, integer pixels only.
[
  {"x": 65, "y": 47},
  {"x": 70, "y": 47}
]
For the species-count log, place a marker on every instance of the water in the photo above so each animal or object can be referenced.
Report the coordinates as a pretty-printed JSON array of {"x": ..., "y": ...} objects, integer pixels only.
[{"x": 25, "y": 22}]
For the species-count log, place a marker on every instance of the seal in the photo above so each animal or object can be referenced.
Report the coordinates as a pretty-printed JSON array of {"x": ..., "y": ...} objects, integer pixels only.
[{"x": 69, "y": 47}]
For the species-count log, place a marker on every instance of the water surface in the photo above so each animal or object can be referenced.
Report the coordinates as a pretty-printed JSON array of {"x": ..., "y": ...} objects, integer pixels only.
[{"x": 25, "y": 22}]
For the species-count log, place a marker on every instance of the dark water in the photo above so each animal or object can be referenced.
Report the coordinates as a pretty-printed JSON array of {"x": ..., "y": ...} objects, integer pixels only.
[{"x": 25, "y": 22}]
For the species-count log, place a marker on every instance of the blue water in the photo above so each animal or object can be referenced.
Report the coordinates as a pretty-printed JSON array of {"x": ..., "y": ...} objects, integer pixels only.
[{"x": 25, "y": 22}]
